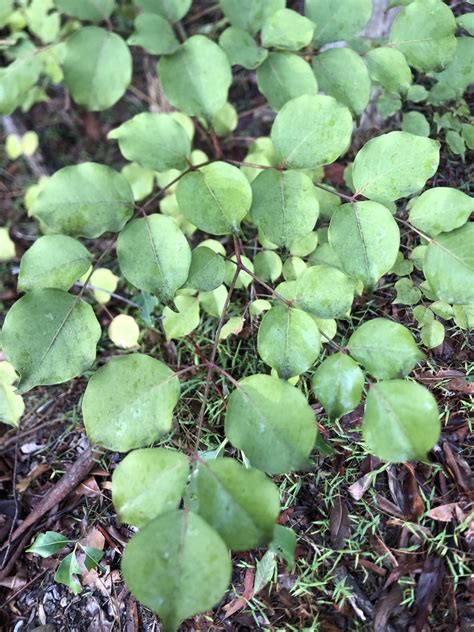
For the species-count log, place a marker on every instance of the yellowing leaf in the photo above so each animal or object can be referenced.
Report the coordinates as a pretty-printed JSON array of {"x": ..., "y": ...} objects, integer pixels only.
[{"x": 124, "y": 331}]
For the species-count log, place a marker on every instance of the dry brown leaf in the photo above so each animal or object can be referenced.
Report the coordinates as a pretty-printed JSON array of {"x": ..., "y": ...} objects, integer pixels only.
[
  {"x": 23, "y": 485},
  {"x": 443, "y": 513},
  {"x": 358, "y": 489}
]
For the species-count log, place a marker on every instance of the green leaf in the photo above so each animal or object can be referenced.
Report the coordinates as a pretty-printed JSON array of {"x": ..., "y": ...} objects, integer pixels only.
[
  {"x": 339, "y": 20},
  {"x": 92, "y": 557},
  {"x": 241, "y": 504},
  {"x": 154, "y": 255},
  {"x": 401, "y": 421},
  {"x": 407, "y": 294},
  {"x": 389, "y": 67},
  {"x": 141, "y": 180},
  {"x": 67, "y": 571},
  {"x": 284, "y": 76},
  {"x": 250, "y": 14},
  {"x": 415, "y": 123},
  {"x": 12, "y": 405},
  {"x": 466, "y": 22},
  {"x": 276, "y": 438},
  {"x": 177, "y": 566},
  {"x": 47, "y": 544},
  {"x": 310, "y": 131},
  {"x": 366, "y": 239},
  {"x": 50, "y": 337},
  {"x": 187, "y": 82},
  {"x": 456, "y": 143},
  {"x": 225, "y": 120},
  {"x": 440, "y": 210},
  {"x": 148, "y": 483},
  {"x": 53, "y": 261},
  {"x": 288, "y": 341},
  {"x": 213, "y": 302},
  {"x": 215, "y": 198},
  {"x": 328, "y": 202},
  {"x": 97, "y": 67},
  {"x": 293, "y": 268},
  {"x": 342, "y": 74},
  {"x": 92, "y": 10},
  {"x": 432, "y": 334},
  {"x": 128, "y": 402},
  {"x": 287, "y": 29},
  {"x": 41, "y": 22},
  {"x": 155, "y": 141},
  {"x": 185, "y": 320},
  {"x": 337, "y": 383},
  {"x": 241, "y": 49},
  {"x": 424, "y": 32},
  {"x": 17, "y": 80},
  {"x": 458, "y": 75},
  {"x": 464, "y": 316},
  {"x": 417, "y": 94},
  {"x": 85, "y": 200},
  {"x": 394, "y": 165},
  {"x": 325, "y": 292},
  {"x": 207, "y": 270},
  {"x": 244, "y": 279},
  {"x": 449, "y": 265},
  {"x": 284, "y": 205},
  {"x": 7, "y": 246},
  {"x": 171, "y": 10},
  {"x": 284, "y": 544},
  {"x": 385, "y": 348},
  {"x": 388, "y": 105},
  {"x": 154, "y": 34},
  {"x": 264, "y": 571},
  {"x": 304, "y": 246},
  {"x": 267, "y": 265}
]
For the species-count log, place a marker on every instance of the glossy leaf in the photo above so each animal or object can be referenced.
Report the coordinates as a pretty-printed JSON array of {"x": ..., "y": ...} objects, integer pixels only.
[
  {"x": 284, "y": 76},
  {"x": 385, "y": 348},
  {"x": 342, "y": 74},
  {"x": 241, "y": 504},
  {"x": 394, "y": 165},
  {"x": 424, "y": 32},
  {"x": 50, "y": 337},
  {"x": 154, "y": 255},
  {"x": 401, "y": 421},
  {"x": 177, "y": 566},
  {"x": 310, "y": 131},
  {"x": 67, "y": 572},
  {"x": 337, "y": 383},
  {"x": 389, "y": 67},
  {"x": 339, "y": 20},
  {"x": 284, "y": 205},
  {"x": 249, "y": 14},
  {"x": 147, "y": 483},
  {"x": 155, "y": 141},
  {"x": 53, "y": 261},
  {"x": 85, "y": 200},
  {"x": 97, "y": 67},
  {"x": 128, "y": 402},
  {"x": 441, "y": 210},
  {"x": 288, "y": 30},
  {"x": 207, "y": 270},
  {"x": 155, "y": 34},
  {"x": 288, "y": 341},
  {"x": 272, "y": 423},
  {"x": 325, "y": 292},
  {"x": 178, "y": 324},
  {"x": 366, "y": 239},
  {"x": 241, "y": 49},
  {"x": 187, "y": 81},
  {"x": 215, "y": 198},
  {"x": 449, "y": 265},
  {"x": 47, "y": 544}
]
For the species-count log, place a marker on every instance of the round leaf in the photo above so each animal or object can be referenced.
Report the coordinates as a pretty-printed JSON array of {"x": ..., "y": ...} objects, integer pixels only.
[
  {"x": 325, "y": 292},
  {"x": 177, "y": 566},
  {"x": 310, "y": 131},
  {"x": 424, "y": 32},
  {"x": 148, "y": 483},
  {"x": 339, "y": 20},
  {"x": 287, "y": 29},
  {"x": 97, "y": 67},
  {"x": 394, "y": 165},
  {"x": 85, "y": 200},
  {"x": 155, "y": 141},
  {"x": 154, "y": 255},
  {"x": 185, "y": 320},
  {"x": 338, "y": 383},
  {"x": 124, "y": 332},
  {"x": 249, "y": 14},
  {"x": 288, "y": 341},
  {"x": 441, "y": 210},
  {"x": 128, "y": 402},
  {"x": 50, "y": 337},
  {"x": 207, "y": 270},
  {"x": 92, "y": 10},
  {"x": 154, "y": 34},
  {"x": 449, "y": 265},
  {"x": 215, "y": 198},
  {"x": 285, "y": 76},
  {"x": 284, "y": 205},
  {"x": 272, "y": 422},
  {"x": 241, "y": 49},
  {"x": 342, "y": 74},
  {"x": 385, "y": 348},
  {"x": 196, "y": 78},
  {"x": 366, "y": 239},
  {"x": 267, "y": 265},
  {"x": 415, "y": 123},
  {"x": 389, "y": 67},
  {"x": 241, "y": 504},
  {"x": 171, "y": 10},
  {"x": 53, "y": 261},
  {"x": 401, "y": 421}
]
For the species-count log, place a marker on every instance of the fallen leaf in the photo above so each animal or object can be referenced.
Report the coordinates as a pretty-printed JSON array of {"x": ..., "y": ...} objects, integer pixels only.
[
  {"x": 462, "y": 385},
  {"x": 443, "y": 513},
  {"x": 40, "y": 469},
  {"x": 339, "y": 523},
  {"x": 427, "y": 589},
  {"x": 240, "y": 602},
  {"x": 413, "y": 505},
  {"x": 358, "y": 489}
]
